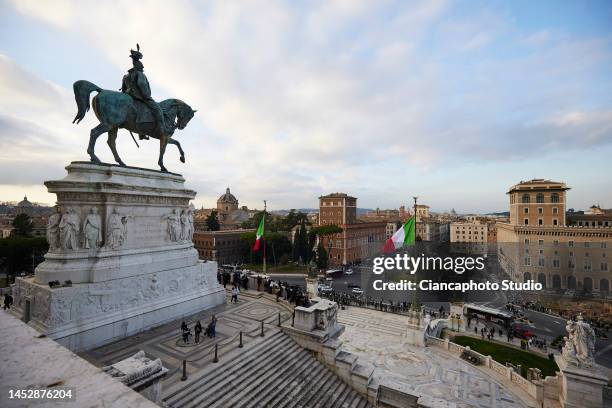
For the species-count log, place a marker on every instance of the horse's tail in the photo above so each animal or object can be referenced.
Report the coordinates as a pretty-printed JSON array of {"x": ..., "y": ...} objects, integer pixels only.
[{"x": 82, "y": 89}]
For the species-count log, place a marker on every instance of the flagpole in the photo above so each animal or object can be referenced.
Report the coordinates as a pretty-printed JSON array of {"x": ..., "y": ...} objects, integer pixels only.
[
  {"x": 415, "y": 299},
  {"x": 263, "y": 239}
]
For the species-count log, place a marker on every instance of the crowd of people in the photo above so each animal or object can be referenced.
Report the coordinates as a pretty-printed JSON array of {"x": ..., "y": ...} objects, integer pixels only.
[{"x": 352, "y": 299}]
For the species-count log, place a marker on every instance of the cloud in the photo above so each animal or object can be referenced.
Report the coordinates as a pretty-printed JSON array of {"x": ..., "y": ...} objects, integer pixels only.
[{"x": 294, "y": 100}]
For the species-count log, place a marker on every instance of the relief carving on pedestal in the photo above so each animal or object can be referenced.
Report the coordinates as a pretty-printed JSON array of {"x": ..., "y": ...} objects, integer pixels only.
[
  {"x": 92, "y": 229},
  {"x": 173, "y": 229},
  {"x": 53, "y": 235},
  {"x": 69, "y": 227},
  {"x": 116, "y": 229}
]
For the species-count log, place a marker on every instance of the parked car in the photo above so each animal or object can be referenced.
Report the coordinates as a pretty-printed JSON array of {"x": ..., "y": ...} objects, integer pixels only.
[
  {"x": 522, "y": 332},
  {"x": 349, "y": 271},
  {"x": 329, "y": 279},
  {"x": 357, "y": 291},
  {"x": 325, "y": 288}
]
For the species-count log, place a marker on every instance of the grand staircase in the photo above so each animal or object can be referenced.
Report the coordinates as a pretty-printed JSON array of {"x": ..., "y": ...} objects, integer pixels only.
[{"x": 271, "y": 372}]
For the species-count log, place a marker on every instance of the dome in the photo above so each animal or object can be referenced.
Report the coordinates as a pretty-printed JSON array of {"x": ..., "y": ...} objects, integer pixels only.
[
  {"x": 227, "y": 198},
  {"x": 25, "y": 203}
]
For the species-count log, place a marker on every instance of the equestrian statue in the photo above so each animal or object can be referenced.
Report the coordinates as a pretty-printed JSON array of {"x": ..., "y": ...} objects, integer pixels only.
[{"x": 132, "y": 109}]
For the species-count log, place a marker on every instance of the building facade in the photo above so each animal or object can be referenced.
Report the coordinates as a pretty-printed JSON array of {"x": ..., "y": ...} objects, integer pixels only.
[
  {"x": 358, "y": 240},
  {"x": 469, "y": 236},
  {"x": 224, "y": 247},
  {"x": 543, "y": 243}
]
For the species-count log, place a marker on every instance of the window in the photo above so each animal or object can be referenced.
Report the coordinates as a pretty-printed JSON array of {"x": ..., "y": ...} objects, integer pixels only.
[
  {"x": 603, "y": 267},
  {"x": 571, "y": 264},
  {"x": 525, "y": 198},
  {"x": 556, "y": 242},
  {"x": 555, "y": 222},
  {"x": 556, "y": 263},
  {"x": 540, "y": 221},
  {"x": 539, "y": 198},
  {"x": 570, "y": 244},
  {"x": 527, "y": 261},
  {"x": 526, "y": 221},
  {"x": 526, "y": 210},
  {"x": 603, "y": 245},
  {"x": 541, "y": 262},
  {"x": 554, "y": 198},
  {"x": 526, "y": 241},
  {"x": 587, "y": 265},
  {"x": 540, "y": 242},
  {"x": 540, "y": 210},
  {"x": 587, "y": 244},
  {"x": 555, "y": 210}
]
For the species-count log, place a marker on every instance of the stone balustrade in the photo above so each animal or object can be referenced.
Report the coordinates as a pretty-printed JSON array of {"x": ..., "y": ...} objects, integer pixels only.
[{"x": 534, "y": 389}]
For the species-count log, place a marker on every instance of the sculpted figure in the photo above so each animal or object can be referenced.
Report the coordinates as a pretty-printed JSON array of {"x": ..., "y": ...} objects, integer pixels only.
[
  {"x": 69, "y": 229},
  {"x": 190, "y": 230},
  {"x": 174, "y": 225},
  {"x": 132, "y": 109},
  {"x": 116, "y": 231},
  {"x": 53, "y": 235},
  {"x": 580, "y": 343},
  {"x": 92, "y": 227},
  {"x": 184, "y": 225}
]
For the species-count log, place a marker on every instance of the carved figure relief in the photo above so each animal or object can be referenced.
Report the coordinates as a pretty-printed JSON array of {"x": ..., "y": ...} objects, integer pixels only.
[
  {"x": 190, "y": 230},
  {"x": 116, "y": 230},
  {"x": 92, "y": 228},
  {"x": 184, "y": 226},
  {"x": 174, "y": 225},
  {"x": 69, "y": 230},
  {"x": 53, "y": 235}
]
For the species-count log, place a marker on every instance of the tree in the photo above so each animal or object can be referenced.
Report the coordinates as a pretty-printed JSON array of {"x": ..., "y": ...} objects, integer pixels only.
[
  {"x": 212, "y": 221},
  {"x": 321, "y": 256},
  {"x": 19, "y": 254},
  {"x": 22, "y": 225},
  {"x": 301, "y": 248}
]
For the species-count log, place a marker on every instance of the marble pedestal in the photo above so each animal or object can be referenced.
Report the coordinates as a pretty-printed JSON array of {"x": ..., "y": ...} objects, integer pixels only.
[
  {"x": 122, "y": 238},
  {"x": 581, "y": 387}
]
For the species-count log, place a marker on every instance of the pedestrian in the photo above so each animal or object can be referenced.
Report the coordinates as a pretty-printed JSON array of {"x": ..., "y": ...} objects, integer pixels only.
[
  {"x": 235, "y": 292},
  {"x": 212, "y": 326},
  {"x": 8, "y": 301},
  {"x": 197, "y": 329}
]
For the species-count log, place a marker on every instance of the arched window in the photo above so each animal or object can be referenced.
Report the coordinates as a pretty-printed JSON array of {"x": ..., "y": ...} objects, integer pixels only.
[
  {"x": 540, "y": 198},
  {"x": 542, "y": 280},
  {"x": 556, "y": 282},
  {"x": 588, "y": 285},
  {"x": 525, "y": 198},
  {"x": 554, "y": 198},
  {"x": 604, "y": 286},
  {"x": 526, "y": 277},
  {"x": 571, "y": 282}
]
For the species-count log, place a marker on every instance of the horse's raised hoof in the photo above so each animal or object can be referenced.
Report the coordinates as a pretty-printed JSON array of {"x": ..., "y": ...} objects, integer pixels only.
[{"x": 182, "y": 159}]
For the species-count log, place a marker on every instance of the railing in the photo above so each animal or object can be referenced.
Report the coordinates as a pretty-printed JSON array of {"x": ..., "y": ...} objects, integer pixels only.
[{"x": 220, "y": 345}]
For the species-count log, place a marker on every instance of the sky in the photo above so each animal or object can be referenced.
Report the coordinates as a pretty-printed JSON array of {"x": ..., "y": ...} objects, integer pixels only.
[{"x": 450, "y": 101}]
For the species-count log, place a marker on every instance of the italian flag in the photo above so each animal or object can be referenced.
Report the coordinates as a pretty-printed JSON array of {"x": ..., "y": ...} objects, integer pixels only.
[
  {"x": 403, "y": 236},
  {"x": 259, "y": 233}
]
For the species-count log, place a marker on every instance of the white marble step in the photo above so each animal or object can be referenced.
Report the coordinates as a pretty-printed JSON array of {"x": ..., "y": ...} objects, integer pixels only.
[
  {"x": 179, "y": 392},
  {"x": 275, "y": 372}
]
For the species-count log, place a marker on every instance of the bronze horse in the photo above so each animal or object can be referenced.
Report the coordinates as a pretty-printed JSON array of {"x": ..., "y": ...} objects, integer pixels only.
[{"x": 117, "y": 110}]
